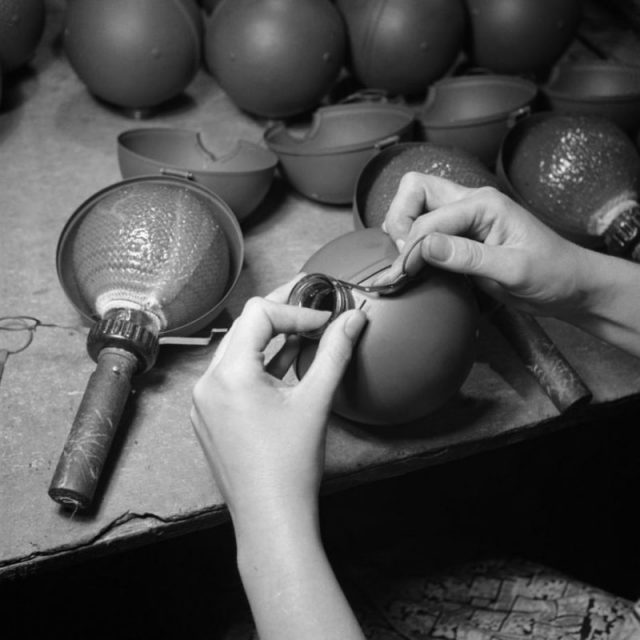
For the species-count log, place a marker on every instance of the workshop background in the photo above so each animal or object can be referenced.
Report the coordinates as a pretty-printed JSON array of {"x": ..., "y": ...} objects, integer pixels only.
[{"x": 565, "y": 499}]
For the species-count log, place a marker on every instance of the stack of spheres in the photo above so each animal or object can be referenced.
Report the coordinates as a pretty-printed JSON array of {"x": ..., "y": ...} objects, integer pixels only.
[
  {"x": 135, "y": 54},
  {"x": 275, "y": 58},
  {"x": 402, "y": 46},
  {"x": 520, "y": 36}
]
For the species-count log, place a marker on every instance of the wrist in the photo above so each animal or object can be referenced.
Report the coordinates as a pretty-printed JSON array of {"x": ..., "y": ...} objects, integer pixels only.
[
  {"x": 605, "y": 304},
  {"x": 275, "y": 534},
  {"x": 584, "y": 286},
  {"x": 262, "y": 521}
]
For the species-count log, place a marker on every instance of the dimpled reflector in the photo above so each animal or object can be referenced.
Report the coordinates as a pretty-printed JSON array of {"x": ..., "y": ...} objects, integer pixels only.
[{"x": 155, "y": 247}]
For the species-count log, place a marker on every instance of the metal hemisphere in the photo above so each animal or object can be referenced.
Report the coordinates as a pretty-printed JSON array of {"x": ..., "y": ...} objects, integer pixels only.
[{"x": 160, "y": 245}]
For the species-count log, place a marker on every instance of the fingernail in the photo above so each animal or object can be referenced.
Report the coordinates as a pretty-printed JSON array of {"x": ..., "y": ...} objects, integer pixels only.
[
  {"x": 355, "y": 324},
  {"x": 387, "y": 276},
  {"x": 400, "y": 244},
  {"x": 439, "y": 247}
]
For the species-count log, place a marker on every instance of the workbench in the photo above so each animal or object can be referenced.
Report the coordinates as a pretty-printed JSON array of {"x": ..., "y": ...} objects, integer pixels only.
[{"x": 57, "y": 148}]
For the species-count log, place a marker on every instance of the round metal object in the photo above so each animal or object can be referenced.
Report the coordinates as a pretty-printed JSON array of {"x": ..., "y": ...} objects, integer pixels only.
[
  {"x": 401, "y": 46},
  {"x": 520, "y": 36},
  {"x": 418, "y": 345},
  {"x": 475, "y": 112},
  {"x": 323, "y": 162},
  {"x": 577, "y": 173},
  {"x": 379, "y": 180},
  {"x": 241, "y": 177},
  {"x": 135, "y": 54},
  {"x": 275, "y": 58},
  {"x": 160, "y": 245},
  {"x": 604, "y": 89},
  {"x": 21, "y": 27}
]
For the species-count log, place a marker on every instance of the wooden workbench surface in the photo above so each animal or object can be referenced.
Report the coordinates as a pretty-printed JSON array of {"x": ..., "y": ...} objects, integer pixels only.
[{"x": 57, "y": 148}]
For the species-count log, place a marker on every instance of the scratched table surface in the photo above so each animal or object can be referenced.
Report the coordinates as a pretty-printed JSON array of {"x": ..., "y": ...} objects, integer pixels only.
[{"x": 57, "y": 148}]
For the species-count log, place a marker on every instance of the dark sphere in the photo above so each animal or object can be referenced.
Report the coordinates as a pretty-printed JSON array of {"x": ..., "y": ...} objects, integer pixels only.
[
  {"x": 401, "y": 46},
  {"x": 520, "y": 36},
  {"x": 134, "y": 53},
  {"x": 275, "y": 58},
  {"x": 21, "y": 26}
]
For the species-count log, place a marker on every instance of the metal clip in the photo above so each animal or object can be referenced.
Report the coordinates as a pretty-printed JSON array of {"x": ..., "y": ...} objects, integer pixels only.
[
  {"x": 191, "y": 341},
  {"x": 177, "y": 173}
]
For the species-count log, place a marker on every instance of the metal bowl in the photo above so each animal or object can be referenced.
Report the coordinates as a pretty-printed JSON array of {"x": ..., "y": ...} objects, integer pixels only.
[
  {"x": 241, "y": 177},
  {"x": 604, "y": 89},
  {"x": 475, "y": 112},
  {"x": 324, "y": 161},
  {"x": 208, "y": 204}
]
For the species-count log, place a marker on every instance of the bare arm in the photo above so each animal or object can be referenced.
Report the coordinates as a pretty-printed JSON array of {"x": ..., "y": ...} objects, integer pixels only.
[
  {"x": 287, "y": 577},
  {"x": 264, "y": 440}
]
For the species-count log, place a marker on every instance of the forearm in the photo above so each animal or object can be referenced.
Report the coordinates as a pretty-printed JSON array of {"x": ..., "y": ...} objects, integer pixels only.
[
  {"x": 289, "y": 582},
  {"x": 609, "y": 300}
]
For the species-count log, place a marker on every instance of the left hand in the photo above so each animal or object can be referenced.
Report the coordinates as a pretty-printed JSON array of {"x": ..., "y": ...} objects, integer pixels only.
[
  {"x": 483, "y": 233},
  {"x": 263, "y": 438}
]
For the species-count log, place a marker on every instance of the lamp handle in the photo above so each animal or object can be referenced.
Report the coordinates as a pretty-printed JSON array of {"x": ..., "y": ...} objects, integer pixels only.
[{"x": 85, "y": 451}]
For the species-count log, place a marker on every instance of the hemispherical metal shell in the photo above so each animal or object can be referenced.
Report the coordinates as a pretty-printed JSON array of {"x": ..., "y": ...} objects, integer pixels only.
[{"x": 149, "y": 241}]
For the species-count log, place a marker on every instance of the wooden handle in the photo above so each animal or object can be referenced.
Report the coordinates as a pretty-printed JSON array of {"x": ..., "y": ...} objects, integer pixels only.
[
  {"x": 542, "y": 358},
  {"x": 85, "y": 451}
]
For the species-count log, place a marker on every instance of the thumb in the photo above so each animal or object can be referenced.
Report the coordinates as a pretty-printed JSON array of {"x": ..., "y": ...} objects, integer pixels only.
[
  {"x": 333, "y": 355},
  {"x": 463, "y": 255}
]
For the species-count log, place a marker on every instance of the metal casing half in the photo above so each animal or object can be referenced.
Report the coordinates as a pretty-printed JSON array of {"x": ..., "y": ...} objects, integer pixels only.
[
  {"x": 216, "y": 207},
  {"x": 323, "y": 161},
  {"x": 475, "y": 112},
  {"x": 418, "y": 346},
  {"x": 599, "y": 88},
  {"x": 241, "y": 177}
]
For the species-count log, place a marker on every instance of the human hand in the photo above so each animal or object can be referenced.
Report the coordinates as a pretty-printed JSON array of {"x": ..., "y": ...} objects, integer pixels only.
[
  {"x": 483, "y": 233},
  {"x": 264, "y": 438}
]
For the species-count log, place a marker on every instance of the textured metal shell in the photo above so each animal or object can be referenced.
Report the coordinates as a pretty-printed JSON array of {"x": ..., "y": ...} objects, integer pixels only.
[
  {"x": 572, "y": 171},
  {"x": 160, "y": 245},
  {"x": 379, "y": 180}
]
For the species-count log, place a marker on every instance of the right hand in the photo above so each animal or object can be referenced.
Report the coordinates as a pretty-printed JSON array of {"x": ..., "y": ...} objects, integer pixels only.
[
  {"x": 264, "y": 438},
  {"x": 483, "y": 233}
]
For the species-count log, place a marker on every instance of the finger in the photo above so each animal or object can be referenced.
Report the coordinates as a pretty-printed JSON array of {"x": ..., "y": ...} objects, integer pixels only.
[
  {"x": 417, "y": 194},
  {"x": 284, "y": 358},
  {"x": 220, "y": 350},
  {"x": 281, "y": 293},
  {"x": 332, "y": 357},
  {"x": 263, "y": 319},
  {"x": 471, "y": 216},
  {"x": 462, "y": 255}
]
